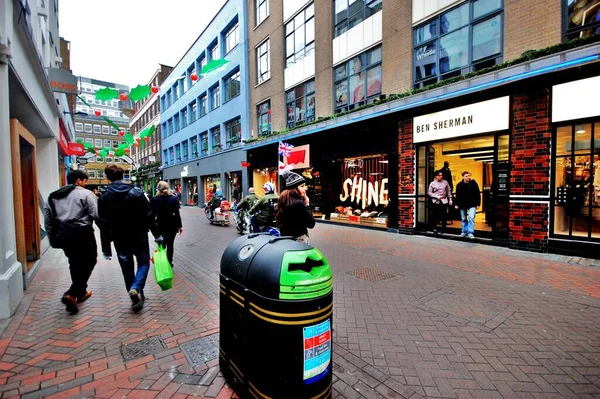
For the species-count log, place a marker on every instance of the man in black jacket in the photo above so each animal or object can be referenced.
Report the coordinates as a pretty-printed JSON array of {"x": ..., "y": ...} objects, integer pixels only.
[
  {"x": 467, "y": 199},
  {"x": 125, "y": 218}
]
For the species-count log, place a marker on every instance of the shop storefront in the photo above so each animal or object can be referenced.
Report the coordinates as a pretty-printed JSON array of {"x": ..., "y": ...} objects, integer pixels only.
[
  {"x": 234, "y": 186},
  {"x": 474, "y": 139},
  {"x": 575, "y": 195},
  {"x": 211, "y": 184},
  {"x": 264, "y": 175},
  {"x": 190, "y": 185}
]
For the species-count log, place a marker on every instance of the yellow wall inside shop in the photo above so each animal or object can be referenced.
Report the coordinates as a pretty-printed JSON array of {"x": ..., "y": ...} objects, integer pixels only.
[{"x": 459, "y": 165}]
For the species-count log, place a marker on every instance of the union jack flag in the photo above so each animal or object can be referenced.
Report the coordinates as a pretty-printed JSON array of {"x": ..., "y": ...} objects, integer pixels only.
[{"x": 285, "y": 149}]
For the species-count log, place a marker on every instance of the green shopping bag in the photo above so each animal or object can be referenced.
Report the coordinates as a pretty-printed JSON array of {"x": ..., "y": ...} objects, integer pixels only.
[{"x": 163, "y": 272}]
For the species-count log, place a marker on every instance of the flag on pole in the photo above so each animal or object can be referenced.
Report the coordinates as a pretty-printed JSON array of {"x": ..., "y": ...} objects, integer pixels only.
[{"x": 285, "y": 149}]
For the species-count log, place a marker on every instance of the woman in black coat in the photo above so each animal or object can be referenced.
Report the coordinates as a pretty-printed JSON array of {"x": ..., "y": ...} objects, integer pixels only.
[
  {"x": 293, "y": 216},
  {"x": 165, "y": 207}
]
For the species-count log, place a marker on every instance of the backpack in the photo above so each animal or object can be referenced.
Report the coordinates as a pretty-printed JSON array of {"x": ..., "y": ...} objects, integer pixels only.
[{"x": 61, "y": 232}]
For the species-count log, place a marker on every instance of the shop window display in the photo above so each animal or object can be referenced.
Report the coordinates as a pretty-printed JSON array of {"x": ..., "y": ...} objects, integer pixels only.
[
  {"x": 192, "y": 191},
  {"x": 212, "y": 183},
  {"x": 358, "y": 81},
  {"x": 583, "y": 18},
  {"x": 362, "y": 191},
  {"x": 577, "y": 181},
  {"x": 262, "y": 176}
]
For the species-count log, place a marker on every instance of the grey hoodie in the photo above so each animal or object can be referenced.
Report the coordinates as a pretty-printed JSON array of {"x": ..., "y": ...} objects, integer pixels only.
[{"x": 78, "y": 208}]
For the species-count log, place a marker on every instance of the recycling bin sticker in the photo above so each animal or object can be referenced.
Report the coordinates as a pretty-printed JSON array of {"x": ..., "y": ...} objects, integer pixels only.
[{"x": 317, "y": 349}]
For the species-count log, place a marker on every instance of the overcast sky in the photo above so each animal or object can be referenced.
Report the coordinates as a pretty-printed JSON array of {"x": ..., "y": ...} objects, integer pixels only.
[{"x": 123, "y": 41}]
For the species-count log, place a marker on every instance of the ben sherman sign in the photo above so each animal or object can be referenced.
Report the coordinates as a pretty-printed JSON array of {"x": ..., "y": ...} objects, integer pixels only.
[{"x": 482, "y": 117}]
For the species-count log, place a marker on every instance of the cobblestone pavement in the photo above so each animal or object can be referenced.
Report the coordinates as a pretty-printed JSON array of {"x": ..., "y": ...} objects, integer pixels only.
[{"x": 442, "y": 319}]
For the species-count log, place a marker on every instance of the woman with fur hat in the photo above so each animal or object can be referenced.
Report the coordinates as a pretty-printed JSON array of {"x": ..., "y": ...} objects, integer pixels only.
[
  {"x": 293, "y": 216},
  {"x": 165, "y": 207}
]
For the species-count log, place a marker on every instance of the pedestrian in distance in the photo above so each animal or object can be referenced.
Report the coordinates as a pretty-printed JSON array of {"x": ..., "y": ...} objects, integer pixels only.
[
  {"x": 441, "y": 196},
  {"x": 467, "y": 200},
  {"x": 69, "y": 215},
  {"x": 165, "y": 208},
  {"x": 294, "y": 217},
  {"x": 125, "y": 217}
]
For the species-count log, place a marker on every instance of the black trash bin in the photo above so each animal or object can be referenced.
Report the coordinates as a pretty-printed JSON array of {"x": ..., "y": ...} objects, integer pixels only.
[{"x": 276, "y": 307}]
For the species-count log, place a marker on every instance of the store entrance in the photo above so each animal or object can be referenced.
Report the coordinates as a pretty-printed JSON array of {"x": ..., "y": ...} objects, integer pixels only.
[{"x": 486, "y": 158}]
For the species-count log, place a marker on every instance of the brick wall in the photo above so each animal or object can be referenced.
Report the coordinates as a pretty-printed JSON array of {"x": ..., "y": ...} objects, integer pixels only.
[
  {"x": 273, "y": 89},
  {"x": 397, "y": 46},
  {"x": 530, "y": 174},
  {"x": 406, "y": 176},
  {"x": 522, "y": 34},
  {"x": 324, "y": 58}
]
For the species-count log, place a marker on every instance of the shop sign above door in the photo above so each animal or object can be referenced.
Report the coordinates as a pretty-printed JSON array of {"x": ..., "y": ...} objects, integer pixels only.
[
  {"x": 575, "y": 100},
  {"x": 62, "y": 81},
  {"x": 482, "y": 117}
]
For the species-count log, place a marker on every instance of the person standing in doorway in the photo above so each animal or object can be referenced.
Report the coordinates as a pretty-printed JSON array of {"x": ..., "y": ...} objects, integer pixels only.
[
  {"x": 125, "y": 217},
  {"x": 69, "y": 215},
  {"x": 467, "y": 200},
  {"x": 447, "y": 173},
  {"x": 441, "y": 196},
  {"x": 165, "y": 208}
]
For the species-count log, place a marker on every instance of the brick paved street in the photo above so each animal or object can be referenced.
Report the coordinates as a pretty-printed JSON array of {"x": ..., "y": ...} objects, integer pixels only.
[{"x": 455, "y": 319}]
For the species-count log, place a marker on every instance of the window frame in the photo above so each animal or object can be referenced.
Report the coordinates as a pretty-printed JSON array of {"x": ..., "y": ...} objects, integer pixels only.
[
  {"x": 435, "y": 40},
  {"x": 78, "y": 126},
  {"x": 212, "y": 49},
  {"x": 105, "y": 129},
  {"x": 233, "y": 30},
  {"x": 367, "y": 5},
  {"x": 86, "y": 126},
  {"x": 227, "y": 85},
  {"x": 263, "y": 76},
  {"x": 261, "y": 115},
  {"x": 257, "y": 6},
  {"x": 229, "y": 126},
  {"x": 216, "y": 132},
  {"x": 308, "y": 47},
  {"x": 308, "y": 91},
  {"x": 566, "y": 31},
  {"x": 99, "y": 130},
  {"x": 215, "y": 97}
]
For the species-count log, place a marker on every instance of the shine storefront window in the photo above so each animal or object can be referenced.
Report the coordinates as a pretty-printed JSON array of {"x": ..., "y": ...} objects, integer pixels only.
[
  {"x": 576, "y": 178},
  {"x": 582, "y": 18},
  {"x": 464, "y": 39}
]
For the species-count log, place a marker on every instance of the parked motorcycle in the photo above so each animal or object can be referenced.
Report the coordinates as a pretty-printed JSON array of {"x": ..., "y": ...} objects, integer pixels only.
[
  {"x": 241, "y": 220},
  {"x": 263, "y": 229},
  {"x": 221, "y": 214}
]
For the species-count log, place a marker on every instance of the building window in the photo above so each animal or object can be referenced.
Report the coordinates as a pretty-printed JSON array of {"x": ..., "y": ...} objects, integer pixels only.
[
  {"x": 107, "y": 143},
  {"x": 202, "y": 106},
  {"x": 88, "y": 127},
  {"x": 165, "y": 157},
  {"x": 214, "y": 51},
  {"x": 262, "y": 11},
  {"x": 583, "y": 18},
  {"x": 78, "y": 127},
  {"x": 215, "y": 134},
  {"x": 232, "y": 86},
  {"x": 175, "y": 123},
  {"x": 576, "y": 178},
  {"x": 97, "y": 129},
  {"x": 115, "y": 143},
  {"x": 263, "y": 61},
  {"x": 464, "y": 39},
  {"x": 105, "y": 130},
  {"x": 349, "y": 13},
  {"x": 194, "y": 146},
  {"x": 233, "y": 130},
  {"x": 184, "y": 149},
  {"x": 99, "y": 159},
  {"x": 204, "y": 143},
  {"x": 91, "y": 173},
  {"x": 358, "y": 81},
  {"x": 201, "y": 64},
  {"x": 300, "y": 103},
  {"x": 193, "y": 107},
  {"x": 164, "y": 131},
  {"x": 100, "y": 174},
  {"x": 264, "y": 118},
  {"x": 232, "y": 38},
  {"x": 98, "y": 143},
  {"x": 184, "y": 118},
  {"x": 114, "y": 132},
  {"x": 170, "y": 127},
  {"x": 178, "y": 152},
  {"x": 89, "y": 140},
  {"x": 215, "y": 98},
  {"x": 300, "y": 36}
]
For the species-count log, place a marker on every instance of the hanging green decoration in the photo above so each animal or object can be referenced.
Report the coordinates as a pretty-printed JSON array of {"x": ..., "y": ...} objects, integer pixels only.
[
  {"x": 106, "y": 94},
  {"x": 129, "y": 138},
  {"x": 213, "y": 66},
  {"x": 140, "y": 92},
  {"x": 111, "y": 123}
]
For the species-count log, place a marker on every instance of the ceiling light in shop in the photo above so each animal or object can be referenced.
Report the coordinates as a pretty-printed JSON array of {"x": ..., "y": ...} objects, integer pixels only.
[
  {"x": 480, "y": 150},
  {"x": 579, "y": 129},
  {"x": 383, "y": 161}
]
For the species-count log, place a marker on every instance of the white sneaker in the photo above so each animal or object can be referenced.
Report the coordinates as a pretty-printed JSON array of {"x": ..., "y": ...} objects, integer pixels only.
[
  {"x": 471, "y": 236},
  {"x": 463, "y": 235}
]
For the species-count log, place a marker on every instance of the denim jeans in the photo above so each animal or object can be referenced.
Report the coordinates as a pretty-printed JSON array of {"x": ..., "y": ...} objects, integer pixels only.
[
  {"x": 125, "y": 253},
  {"x": 468, "y": 225}
]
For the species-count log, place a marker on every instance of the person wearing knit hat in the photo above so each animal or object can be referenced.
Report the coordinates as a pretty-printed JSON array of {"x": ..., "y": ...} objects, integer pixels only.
[
  {"x": 165, "y": 208},
  {"x": 293, "y": 216}
]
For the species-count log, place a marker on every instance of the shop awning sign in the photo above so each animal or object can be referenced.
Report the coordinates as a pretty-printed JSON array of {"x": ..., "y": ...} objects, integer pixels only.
[
  {"x": 62, "y": 81},
  {"x": 483, "y": 117},
  {"x": 75, "y": 149},
  {"x": 298, "y": 157}
]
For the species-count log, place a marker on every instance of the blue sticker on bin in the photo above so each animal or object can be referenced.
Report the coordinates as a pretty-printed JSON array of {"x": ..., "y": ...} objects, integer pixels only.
[{"x": 317, "y": 349}]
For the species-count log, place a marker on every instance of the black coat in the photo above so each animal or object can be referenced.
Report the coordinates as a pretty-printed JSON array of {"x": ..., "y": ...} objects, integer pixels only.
[
  {"x": 166, "y": 210},
  {"x": 467, "y": 195},
  {"x": 124, "y": 215},
  {"x": 295, "y": 220}
]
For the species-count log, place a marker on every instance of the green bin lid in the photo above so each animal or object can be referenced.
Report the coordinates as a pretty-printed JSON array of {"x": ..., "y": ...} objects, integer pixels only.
[{"x": 305, "y": 275}]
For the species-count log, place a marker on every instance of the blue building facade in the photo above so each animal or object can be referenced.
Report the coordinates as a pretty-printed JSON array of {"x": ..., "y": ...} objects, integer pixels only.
[{"x": 205, "y": 122}]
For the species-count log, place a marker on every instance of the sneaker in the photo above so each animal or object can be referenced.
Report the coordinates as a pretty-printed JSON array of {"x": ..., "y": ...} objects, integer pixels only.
[
  {"x": 136, "y": 300},
  {"x": 71, "y": 304},
  {"x": 471, "y": 236},
  {"x": 435, "y": 232},
  {"x": 463, "y": 235},
  {"x": 85, "y": 297}
]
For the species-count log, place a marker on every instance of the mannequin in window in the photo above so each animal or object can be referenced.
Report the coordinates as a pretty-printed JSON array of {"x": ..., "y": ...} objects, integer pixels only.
[{"x": 597, "y": 183}]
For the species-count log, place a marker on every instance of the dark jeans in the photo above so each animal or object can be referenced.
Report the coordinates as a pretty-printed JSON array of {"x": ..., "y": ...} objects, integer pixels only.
[
  {"x": 82, "y": 253},
  {"x": 168, "y": 244},
  {"x": 126, "y": 250},
  {"x": 439, "y": 214}
]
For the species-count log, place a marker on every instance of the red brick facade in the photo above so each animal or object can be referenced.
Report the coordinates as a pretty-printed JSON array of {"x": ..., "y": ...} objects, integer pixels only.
[
  {"x": 406, "y": 177},
  {"x": 530, "y": 170}
]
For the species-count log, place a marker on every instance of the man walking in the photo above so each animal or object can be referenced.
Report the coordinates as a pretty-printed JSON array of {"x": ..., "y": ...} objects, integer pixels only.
[
  {"x": 441, "y": 196},
  {"x": 68, "y": 217},
  {"x": 125, "y": 218},
  {"x": 467, "y": 200}
]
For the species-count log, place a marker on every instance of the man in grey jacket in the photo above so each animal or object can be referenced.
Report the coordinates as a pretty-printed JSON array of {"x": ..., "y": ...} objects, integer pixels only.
[{"x": 69, "y": 215}]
